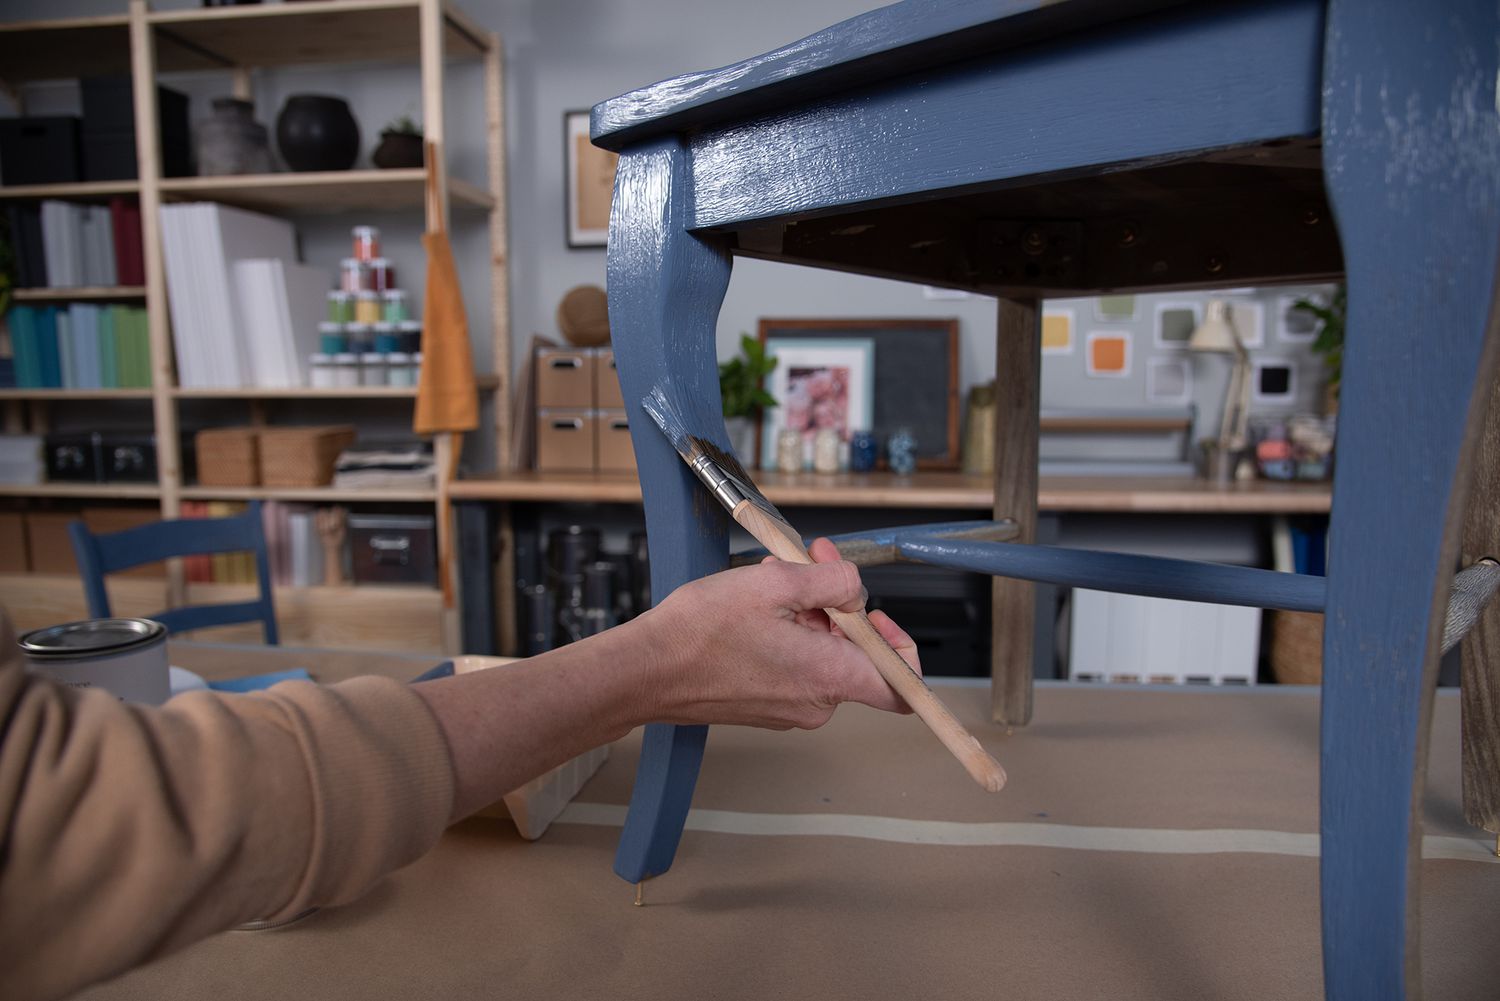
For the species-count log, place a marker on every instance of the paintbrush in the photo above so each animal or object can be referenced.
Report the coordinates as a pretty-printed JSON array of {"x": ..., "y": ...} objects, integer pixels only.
[{"x": 727, "y": 480}]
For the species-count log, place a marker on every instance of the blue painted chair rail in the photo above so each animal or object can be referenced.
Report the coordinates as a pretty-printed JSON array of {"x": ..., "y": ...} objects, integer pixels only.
[{"x": 99, "y": 555}]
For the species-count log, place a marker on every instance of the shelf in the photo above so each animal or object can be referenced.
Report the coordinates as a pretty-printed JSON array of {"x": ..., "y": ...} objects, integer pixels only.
[
  {"x": 315, "y": 495},
  {"x": 323, "y": 191},
  {"x": 79, "y": 294},
  {"x": 318, "y": 32},
  {"x": 75, "y": 394},
  {"x": 486, "y": 383},
  {"x": 76, "y": 190},
  {"x": 954, "y": 491},
  {"x": 107, "y": 491},
  {"x": 59, "y": 49}
]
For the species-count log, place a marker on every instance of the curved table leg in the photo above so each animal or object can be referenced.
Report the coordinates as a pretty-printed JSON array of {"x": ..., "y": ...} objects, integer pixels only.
[
  {"x": 1411, "y": 152},
  {"x": 665, "y": 289}
]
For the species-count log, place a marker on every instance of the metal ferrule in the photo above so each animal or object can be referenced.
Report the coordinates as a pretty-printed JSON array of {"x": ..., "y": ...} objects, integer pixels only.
[{"x": 714, "y": 477}]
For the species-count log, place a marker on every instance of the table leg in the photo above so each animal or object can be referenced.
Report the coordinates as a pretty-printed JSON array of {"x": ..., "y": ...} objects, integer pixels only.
[
  {"x": 1411, "y": 153},
  {"x": 1480, "y": 672},
  {"x": 476, "y": 563},
  {"x": 665, "y": 289},
  {"x": 1018, "y": 375}
]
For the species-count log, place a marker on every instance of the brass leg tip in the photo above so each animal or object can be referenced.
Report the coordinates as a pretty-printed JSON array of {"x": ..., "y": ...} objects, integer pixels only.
[{"x": 639, "y": 901}]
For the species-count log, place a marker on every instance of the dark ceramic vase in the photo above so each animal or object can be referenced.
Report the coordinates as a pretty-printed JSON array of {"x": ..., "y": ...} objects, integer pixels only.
[
  {"x": 315, "y": 132},
  {"x": 398, "y": 150}
]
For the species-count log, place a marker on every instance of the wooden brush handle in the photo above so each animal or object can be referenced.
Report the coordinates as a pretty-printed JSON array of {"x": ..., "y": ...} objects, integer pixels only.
[{"x": 784, "y": 543}]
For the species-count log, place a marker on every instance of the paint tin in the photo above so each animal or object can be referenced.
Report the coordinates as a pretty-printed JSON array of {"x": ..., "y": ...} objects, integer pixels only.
[{"x": 126, "y": 657}]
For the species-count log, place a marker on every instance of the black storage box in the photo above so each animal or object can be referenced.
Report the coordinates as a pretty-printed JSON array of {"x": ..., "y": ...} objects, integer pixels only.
[
  {"x": 42, "y": 150},
  {"x": 393, "y": 548},
  {"x": 75, "y": 458},
  {"x": 108, "y": 133}
]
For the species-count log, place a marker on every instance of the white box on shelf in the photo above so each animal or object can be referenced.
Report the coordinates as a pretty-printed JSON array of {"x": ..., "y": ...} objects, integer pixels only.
[{"x": 1132, "y": 639}]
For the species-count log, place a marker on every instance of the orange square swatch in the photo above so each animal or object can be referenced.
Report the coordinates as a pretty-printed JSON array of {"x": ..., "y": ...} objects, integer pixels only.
[{"x": 1109, "y": 354}]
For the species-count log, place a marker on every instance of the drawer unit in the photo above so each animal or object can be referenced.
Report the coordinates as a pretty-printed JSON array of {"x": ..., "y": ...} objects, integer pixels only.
[
  {"x": 393, "y": 548},
  {"x": 39, "y": 150},
  {"x": 616, "y": 454},
  {"x": 565, "y": 378},
  {"x": 607, "y": 395},
  {"x": 565, "y": 440}
]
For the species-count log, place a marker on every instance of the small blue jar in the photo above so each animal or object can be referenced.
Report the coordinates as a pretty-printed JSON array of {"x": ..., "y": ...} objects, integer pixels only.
[
  {"x": 864, "y": 451},
  {"x": 901, "y": 452}
]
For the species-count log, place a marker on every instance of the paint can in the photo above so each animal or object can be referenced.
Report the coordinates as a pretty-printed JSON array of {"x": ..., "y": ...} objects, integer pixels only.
[{"x": 126, "y": 657}]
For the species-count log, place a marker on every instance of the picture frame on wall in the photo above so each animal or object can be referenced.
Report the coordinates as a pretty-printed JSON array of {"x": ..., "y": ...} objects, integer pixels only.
[
  {"x": 818, "y": 383},
  {"x": 916, "y": 379},
  {"x": 590, "y": 183}
]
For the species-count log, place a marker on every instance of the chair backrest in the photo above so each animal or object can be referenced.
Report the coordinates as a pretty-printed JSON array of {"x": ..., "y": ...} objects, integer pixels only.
[{"x": 98, "y": 555}]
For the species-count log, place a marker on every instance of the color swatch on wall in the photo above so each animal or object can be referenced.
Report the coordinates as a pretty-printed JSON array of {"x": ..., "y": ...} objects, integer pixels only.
[
  {"x": 1175, "y": 323},
  {"x": 1293, "y": 324},
  {"x": 1274, "y": 380},
  {"x": 1057, "y": 332},
  {"x": 1169, "y": 380},
  {"x": 1114, "y": 307},
  {"x": 1248, "y": 320},
  {"x": 1109, "y": 354}
]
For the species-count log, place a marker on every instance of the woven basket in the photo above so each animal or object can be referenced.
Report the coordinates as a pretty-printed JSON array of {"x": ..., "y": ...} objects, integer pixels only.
[
  {"x": 301, "y": 457},
  {"x": 1297, "y": 647},
  {"x": 228, "y": 457}
]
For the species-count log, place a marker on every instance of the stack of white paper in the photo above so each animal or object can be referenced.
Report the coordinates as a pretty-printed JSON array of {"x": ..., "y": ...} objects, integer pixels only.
[
  {"x": 212, "y": 327},
  {"x": 280, "y": 304}
]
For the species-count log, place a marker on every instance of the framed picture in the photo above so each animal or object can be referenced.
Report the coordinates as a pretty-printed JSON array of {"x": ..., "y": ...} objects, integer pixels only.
[
  {"x": 915, "y": 378},
  {"x": 818, "y": 384},
  {"x": 590, "y": 183}
]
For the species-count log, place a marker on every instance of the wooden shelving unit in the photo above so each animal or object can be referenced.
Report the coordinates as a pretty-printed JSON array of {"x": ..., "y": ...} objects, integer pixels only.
[
  {"x": 238, "y": 41},
  {"x": 84, "y": 293}
]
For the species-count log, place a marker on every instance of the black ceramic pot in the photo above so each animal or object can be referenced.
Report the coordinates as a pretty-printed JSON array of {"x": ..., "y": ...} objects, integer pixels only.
[
  {"x": 397, "y": 150},
  {"x": 315, "y": 132}
]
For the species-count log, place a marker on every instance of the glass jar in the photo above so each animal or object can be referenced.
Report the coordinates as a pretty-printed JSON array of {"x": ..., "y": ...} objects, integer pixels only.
[
  {"x": 340, "y": 306},
  {"x": 331, "y": 340},
  {"x": 372, "y": 369},
  {"x": 321, "y": 371},
  {"x": 393, "y": 306},
  {"x": 386, "y": 339},
  {"x": 359, "y": 337},
  {"x": 346, "y": 369},
  {"x": 399, "y": 370},
  {"x": 789, "y": 451},
  {"x": 901, "y": 451},
  {"x": 826, "y": 448},
  {"x": 367, "y": 307},
  {"x": 864, "y": 451},
  {"x": 382, "y": 275},
  {"x": 354, "y": 275},
  {"x": 366, "y": 243},
  {"x": 410, "y": 335}
]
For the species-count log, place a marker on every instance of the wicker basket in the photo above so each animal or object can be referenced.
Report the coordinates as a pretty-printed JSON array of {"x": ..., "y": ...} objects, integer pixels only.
[
  {"x": 301, "y": 457},
  {"x": 228, "y": 457},
  {"x": 1297, "y": 647}
]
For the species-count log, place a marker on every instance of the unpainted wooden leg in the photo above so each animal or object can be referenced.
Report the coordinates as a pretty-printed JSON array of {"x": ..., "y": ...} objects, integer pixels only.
[
  {"x": 665, "y": 289},
  {"x": 1480, "y": 684},
  {"x": 1018, "y": 375},
  {"x": 1406, "y": 87}
]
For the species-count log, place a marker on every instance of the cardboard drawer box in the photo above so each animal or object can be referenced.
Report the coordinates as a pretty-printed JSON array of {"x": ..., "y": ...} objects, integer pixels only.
[
  {"x": 565, "y": 378},
  {"x": 607, "y": 395},
  {"x": 616, "y": 454},
  {"x": 565, "y": 440},
  {"x": 48, "y": 542},
  {"x": 107, "y": 520},
  {"x": 393, "y": 548}
]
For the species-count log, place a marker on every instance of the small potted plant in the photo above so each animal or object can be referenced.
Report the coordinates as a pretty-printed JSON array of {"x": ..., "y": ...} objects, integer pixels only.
[
  {"x": 400, "y": 145},
  {"x": 740, "y": 387},
  {"x": 1329, "y": 342}
]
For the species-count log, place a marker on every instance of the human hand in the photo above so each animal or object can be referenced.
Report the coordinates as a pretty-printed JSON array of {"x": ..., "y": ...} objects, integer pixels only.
[{"x": 752, "y": 646}]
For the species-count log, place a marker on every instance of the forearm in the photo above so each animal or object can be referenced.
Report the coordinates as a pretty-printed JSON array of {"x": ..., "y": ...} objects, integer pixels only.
[{"x": 507, "y": 725}]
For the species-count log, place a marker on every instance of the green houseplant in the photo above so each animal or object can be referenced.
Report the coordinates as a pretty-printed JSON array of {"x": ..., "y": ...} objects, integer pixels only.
[
  {"x": 740, "y": 388},
  {"x": 1329, "y": 342},
  {"x": 400, "y": 145}
]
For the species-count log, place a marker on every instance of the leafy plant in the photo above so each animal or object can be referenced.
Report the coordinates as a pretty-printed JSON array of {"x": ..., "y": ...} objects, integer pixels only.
[
  {"x": 403, "y": 126},
  {"x": 740, "y": 378},
  {"x": 1330, "y": 339}
]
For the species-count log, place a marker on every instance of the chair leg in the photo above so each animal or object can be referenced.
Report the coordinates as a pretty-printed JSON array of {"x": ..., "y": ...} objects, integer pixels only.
[
  {"x": 665, "y": 289},
  {"x": 1412, "y": 166},
  {"x": 1480, "y": 682}
]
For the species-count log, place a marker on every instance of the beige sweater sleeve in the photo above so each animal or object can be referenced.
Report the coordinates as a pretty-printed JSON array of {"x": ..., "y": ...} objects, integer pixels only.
[{"x": 130, "y": 832}]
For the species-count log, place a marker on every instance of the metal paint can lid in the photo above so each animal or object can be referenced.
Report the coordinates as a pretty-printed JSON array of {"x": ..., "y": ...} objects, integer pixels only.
[{"x": 91, "y": 638}]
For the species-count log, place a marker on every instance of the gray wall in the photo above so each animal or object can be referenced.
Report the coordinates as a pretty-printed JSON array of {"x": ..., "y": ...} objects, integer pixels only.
[{"x": 569, "y": 54}]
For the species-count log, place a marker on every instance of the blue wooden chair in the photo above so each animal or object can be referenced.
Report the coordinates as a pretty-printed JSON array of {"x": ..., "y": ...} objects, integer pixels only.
[{"x": 98, "y": 555}]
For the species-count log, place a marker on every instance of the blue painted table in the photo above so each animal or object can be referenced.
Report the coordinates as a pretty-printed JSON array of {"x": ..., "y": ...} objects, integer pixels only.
[{"x": 1025, "y": 149}]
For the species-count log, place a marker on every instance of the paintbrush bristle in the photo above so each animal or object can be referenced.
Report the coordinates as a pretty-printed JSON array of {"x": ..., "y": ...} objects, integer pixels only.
[{"x": 668, "y": 416}]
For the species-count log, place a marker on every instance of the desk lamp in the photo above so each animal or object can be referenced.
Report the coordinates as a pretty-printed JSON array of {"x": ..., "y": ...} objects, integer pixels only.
[{"x": 1216, "y": 335}]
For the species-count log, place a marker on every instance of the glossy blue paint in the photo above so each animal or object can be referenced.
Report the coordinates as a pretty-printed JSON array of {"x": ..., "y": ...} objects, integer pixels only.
[
  {"x": 1411, "y": 153},
  {"x": 890, "y": 41},
  {"x": 879, "y": 545},
  {"x": 98, "y": 555},
  {"x": 1132, "y": 94},
  {"x": 1126, "y": 573},
  {"x": 665, "y": 289}
]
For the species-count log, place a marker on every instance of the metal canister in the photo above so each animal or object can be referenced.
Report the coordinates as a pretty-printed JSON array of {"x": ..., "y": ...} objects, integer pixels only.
[{"x": 126, "y": 657}]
